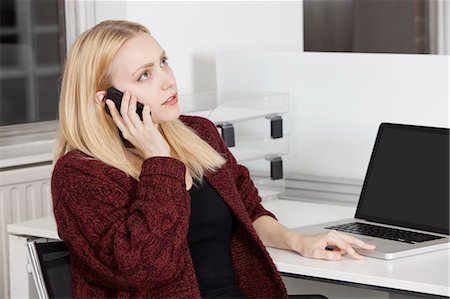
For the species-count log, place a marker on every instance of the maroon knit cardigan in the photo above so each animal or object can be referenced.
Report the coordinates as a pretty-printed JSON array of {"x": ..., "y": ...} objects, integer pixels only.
[{"x": 128, "y": 239}]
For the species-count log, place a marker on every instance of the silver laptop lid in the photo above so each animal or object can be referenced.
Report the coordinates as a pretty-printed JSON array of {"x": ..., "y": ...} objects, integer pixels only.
[{"x": 407, "y": 181}]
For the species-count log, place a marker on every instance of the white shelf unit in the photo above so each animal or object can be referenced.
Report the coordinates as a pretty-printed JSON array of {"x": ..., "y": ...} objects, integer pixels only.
[{"x": 251, "y": 124}]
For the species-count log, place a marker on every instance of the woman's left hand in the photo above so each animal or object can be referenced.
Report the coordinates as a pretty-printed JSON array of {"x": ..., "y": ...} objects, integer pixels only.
[
  {"x": 328, "y": 245},
  {"x": 273, "y": 234}
]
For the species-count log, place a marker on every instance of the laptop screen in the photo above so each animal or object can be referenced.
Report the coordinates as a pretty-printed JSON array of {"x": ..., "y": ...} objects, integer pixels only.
[{"x": 407, "y": 181}]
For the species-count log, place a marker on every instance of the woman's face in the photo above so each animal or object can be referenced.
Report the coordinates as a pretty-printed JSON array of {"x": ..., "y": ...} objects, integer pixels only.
[{"x": 140, "y": 67}]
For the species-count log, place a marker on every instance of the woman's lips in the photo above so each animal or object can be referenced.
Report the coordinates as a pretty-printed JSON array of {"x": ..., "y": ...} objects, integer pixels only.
[{"x": 172, "y": 100}]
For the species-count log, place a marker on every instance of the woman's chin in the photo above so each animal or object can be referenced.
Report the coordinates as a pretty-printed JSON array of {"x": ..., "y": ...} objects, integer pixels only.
[{"x": 173, "y": 115}]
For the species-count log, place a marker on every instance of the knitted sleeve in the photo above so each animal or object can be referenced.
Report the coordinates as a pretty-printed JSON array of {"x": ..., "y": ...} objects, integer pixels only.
[
  {"x": 123, "y": 242},
  {"x": 244, "y": 184}
]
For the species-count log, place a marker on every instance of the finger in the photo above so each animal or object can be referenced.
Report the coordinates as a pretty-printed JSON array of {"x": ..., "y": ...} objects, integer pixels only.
[
  {"x": 335, "y": 249},
  {"x": 124, "y": 110},
  {"x": 343, "y": 245},
  {"x": 146, "y": 117},
  {"x": 124, "y": 106},
  {"x": 114, "y": 113},
  {"x": 113, "y": 110},
  {"x": 134, "y": 117},
  {"x": 328, "y": 255},
  {"x": 357, "y": 242}
]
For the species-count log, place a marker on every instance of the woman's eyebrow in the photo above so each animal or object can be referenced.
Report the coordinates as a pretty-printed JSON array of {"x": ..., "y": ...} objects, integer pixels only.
[{"x": 148, "y": 65}]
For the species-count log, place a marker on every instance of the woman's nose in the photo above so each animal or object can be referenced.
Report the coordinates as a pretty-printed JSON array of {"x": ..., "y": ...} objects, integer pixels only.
[{"x": 168, "y": 80}]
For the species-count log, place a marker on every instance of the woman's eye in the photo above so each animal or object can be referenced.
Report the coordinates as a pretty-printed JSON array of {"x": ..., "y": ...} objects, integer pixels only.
[
  {"x": 165, "y": 61},
  {"x": 144, "y": 75}
]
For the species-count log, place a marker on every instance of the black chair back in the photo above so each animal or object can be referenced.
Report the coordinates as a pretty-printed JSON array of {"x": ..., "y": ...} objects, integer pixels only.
[{"x": 54, "y": 261}]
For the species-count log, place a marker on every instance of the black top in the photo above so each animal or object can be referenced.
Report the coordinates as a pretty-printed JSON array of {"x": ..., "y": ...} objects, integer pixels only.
[{"x": 210, "y": 226}]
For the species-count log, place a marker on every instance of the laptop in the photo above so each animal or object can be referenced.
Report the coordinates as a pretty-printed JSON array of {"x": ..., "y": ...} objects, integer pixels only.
[{"x": 404, "y": 204}]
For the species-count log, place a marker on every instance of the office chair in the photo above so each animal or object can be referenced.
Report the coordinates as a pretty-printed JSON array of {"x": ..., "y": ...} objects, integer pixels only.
[
  {"x": 49, "y": 261},
  {"x": 307, "y": 297}
]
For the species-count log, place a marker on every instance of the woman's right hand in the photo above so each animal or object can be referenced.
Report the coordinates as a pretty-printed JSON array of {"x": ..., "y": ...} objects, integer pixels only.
[{"x": 144, "y": 135}]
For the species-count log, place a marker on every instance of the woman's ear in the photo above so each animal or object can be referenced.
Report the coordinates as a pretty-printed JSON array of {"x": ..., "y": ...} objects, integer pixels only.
[{"x": 100, "y": 97}]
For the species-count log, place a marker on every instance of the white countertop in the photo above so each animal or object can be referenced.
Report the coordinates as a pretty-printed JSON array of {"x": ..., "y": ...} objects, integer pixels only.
[
  {"x": 26, "y": 144},
  {"x": 300, "y": 213},
  {"x": 289, "y": 213},
  {"x": 426, "y": 273},
  {"x": 41, "y": 227}
]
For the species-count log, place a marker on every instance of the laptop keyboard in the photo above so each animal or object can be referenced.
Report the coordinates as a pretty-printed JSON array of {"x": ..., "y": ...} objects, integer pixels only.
[{"x": 384, "y": 232}]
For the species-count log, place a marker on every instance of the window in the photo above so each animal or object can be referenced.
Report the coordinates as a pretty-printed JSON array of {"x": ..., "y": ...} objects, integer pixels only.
[
  {"x": 376, "y": 26},
  {"x": 32, "y": 41}
]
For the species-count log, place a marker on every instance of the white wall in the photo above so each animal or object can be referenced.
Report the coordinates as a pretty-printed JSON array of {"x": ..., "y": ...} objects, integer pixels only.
[
  {"x": 193, "y": 32},
  {"x": 337, "y": 100},
  {"x": 110, "y": 10}
]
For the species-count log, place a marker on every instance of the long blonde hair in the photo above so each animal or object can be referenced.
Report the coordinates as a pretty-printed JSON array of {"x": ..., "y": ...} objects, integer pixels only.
[{"x": 84, "y": 125}]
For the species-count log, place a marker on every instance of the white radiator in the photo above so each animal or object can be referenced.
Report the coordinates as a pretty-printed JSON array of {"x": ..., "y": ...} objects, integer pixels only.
[{"x": 24, "y": 195}]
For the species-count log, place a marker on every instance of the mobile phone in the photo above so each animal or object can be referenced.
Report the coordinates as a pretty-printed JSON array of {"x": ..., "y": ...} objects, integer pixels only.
[{"x": 116, "y": 96}]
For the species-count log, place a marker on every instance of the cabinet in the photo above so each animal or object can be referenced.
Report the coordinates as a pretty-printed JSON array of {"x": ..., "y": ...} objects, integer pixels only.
[{"x": 251, "y": 124}]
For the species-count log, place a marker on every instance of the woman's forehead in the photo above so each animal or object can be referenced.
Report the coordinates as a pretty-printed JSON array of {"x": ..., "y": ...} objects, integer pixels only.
[{"x": 137, "y": 51}]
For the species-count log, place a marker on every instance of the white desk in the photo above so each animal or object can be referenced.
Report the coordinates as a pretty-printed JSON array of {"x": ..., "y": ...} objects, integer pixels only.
[{"x": 426, "y": 274}]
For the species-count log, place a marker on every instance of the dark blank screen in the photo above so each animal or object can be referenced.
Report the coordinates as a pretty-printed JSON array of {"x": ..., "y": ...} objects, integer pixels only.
[{"x": 408, "y": 179}]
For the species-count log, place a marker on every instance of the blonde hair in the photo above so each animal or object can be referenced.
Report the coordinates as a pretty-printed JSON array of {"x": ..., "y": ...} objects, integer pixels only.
[{"x": 84, "y": 125}]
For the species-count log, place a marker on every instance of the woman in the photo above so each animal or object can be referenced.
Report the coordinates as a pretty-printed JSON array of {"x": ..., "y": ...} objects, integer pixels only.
[{"x": 157, "y": 207}]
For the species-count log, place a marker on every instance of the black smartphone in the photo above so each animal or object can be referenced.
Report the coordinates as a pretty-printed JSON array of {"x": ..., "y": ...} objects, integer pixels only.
[{"x": 116, "y": 96}]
